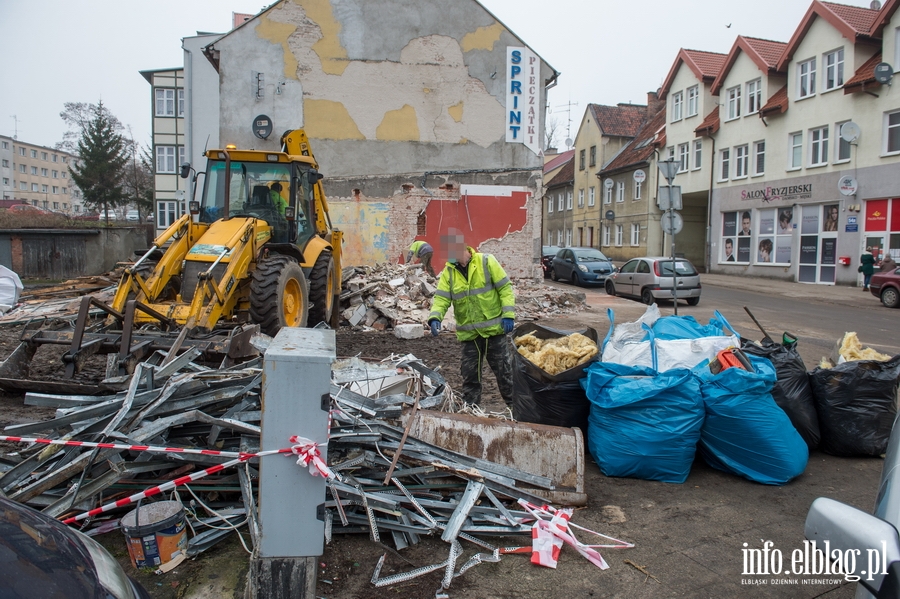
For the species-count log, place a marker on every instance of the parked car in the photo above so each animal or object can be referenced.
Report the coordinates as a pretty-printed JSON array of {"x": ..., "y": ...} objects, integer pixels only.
[
  {"x": 44, "y": 558},
  {"x": 581, "y": 266},
  {"x": 848, "y": 529},
  {"x": 547, "y": 254},
  {"x": 650, "y": 279},
  {"x": 28, "y": 209},
  {"x": 133, "y": 216},
  {"x": 886, "y": 287}
]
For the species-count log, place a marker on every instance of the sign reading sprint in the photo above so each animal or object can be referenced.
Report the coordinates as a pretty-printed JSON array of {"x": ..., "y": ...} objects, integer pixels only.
[{"x": 523, "y": 70}]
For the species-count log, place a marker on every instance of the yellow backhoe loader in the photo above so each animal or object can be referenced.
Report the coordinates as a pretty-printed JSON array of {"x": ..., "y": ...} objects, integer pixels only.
[{"x": 257, "y": 251}]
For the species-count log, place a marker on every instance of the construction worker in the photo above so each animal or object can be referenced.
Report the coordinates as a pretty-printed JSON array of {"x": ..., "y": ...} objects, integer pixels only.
[
  {"x": 483, "y": 302},
  {"x": 423, "y": 252},
  {"x": 277, "y": 200}
]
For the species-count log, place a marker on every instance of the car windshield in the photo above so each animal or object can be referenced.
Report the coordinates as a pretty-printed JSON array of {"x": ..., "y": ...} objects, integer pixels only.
[
  {"x": 682, "y": 267},
  {"x": 590, "y": 255}
]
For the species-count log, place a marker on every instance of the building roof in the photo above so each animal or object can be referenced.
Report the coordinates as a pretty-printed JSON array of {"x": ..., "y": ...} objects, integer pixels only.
[
  {"x": 641, "y": 148},
  {"x": 559, "y": 160},
  {"x": 763, "y": 53},
  {"x": 864, "y": 76},
  {"x": 565, "y": 176},
  {"x": 704, "y": 65},
  {"x": 777, "y": 103},
  {"x": 884, "y": 16},
  {"x": 148, "y": 74},
  {"x": 623, "y": 120},
  {"x": 853, "y": 22},
  {"x": 710, "y": 124}
]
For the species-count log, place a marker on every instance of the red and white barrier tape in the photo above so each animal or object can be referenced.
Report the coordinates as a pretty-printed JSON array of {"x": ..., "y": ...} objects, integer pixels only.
[{"x": 306, "y": 449}]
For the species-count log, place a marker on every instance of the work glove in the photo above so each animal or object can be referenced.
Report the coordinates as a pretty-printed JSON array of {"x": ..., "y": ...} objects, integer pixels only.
[
  {"x": 435, "y": 327},
  {"x": 508, "y": 324}
]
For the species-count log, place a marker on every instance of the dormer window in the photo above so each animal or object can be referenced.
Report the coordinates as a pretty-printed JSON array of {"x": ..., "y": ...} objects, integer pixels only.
[
  {"x": 754, "y": 96},
  {"x": 734, "y": 102},
  {"x": 834, "y": 69},
  {"x": 806, "y": 78}
]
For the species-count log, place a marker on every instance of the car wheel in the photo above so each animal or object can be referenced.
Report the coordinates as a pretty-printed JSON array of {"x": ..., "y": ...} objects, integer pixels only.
[
  {"x": 553, "y": 274},
  {"x": 890, "y": 297},
  {"x": 693, "y": 301},
  {"x": 610, "y": 288},
  {"x": 575, "y": 279},
  {"x": 647, "y": 297}
]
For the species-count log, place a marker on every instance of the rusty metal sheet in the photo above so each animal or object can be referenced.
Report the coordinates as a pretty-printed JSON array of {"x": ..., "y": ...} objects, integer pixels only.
[
  {"x": 53, "y": 256},
  {"x": 551, "y": 451}
]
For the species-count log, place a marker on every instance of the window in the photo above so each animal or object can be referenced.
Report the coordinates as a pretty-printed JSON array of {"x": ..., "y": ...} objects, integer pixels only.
[
  {"x": 22, "y": 185},
  {"x": 34, "y": 153},
  {"x": 619, "y": 231},
  {"x": 44, "y": 172},
  {"x": 671, "y": 152},
  {"x": 568, "y": 237},
  {"x": 638, "y": 188},
  {"x": 549, "y": 237},
  {"x": 21, "y": 168},
  {"x": 734, "y": 102},
  {"x": 892, "y": 132},
  {"x": 5, "y": 162},
  {"x": 5, "y": 145},
  {"x": 55, "y": 189},
  {"x": 180, "y": 102},
  {"x": 581, "y": 160},
  {"x": 6, "y": 181},
  {"x": 795, "y": 150},
  {"x": 44, "y": 189},
  {"x": 759, "y": 158},
  {"x": 21, "y": 151},
  {"x": 165, "y": 102},
  {"x": 677, "y": 106},
  {"x": 64, "y": 174},
  {"x": 591, "y": 196},
  {"x": 605, "y": 234},
  {"x": 774, "y": 236},
  {"x": 43, "y": 155},
  {"x": 165, "y": 159},
  {"x": 692, "y": 100},
  {"x": 806, "y": 78},
  {"x": 46, "y": 204},
  {"x": 34, "y": 170},
  {"x": 581, "y": 198},
  {"x": 834, "y": 69},
  {"x": 166, "y": 214},
  {"x": 724, "y": 159},
  {"x": 56, "y": 174},
  {"x": 568, "y": 200},
  {"x": 635, "y": 234},
  {"x": 56, "y": 205},
  {"x": 620, "y": 191},
  {"x": 608, "y": 185},
  {"x": 560, "y": 202},
  {"x": 698, "y": 153},
  {"x": 818, "y": 146},
  {"x": 736, "y": 236},
  {"x": 683, "y": 151},
  {"x": 842, "y": 147},
  {"x": 754, "y": 96},
  {"x": 34, "y": 187},
  {"x": 66, "y": 190},
  {"x": 550, "y": 201},
  {"x": 55, "y": 158},
  {"x": 558, "y": 237},
  {"x": 741, "y": 158},
  {"x": 593, "y": 156}
]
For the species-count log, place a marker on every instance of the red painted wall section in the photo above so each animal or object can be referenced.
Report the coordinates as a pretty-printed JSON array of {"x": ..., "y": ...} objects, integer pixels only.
[{"x": 482, "y": 213}]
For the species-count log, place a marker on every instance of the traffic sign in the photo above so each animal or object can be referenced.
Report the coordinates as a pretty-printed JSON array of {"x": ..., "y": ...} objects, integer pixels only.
[{"x": 672, "y": 222}]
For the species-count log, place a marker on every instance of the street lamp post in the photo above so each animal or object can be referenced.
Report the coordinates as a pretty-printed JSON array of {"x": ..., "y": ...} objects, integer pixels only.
[{"x": 669, "y": 168}]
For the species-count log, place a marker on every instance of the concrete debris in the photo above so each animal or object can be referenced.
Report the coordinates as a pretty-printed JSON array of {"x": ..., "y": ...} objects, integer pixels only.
[
  {"x": 387, "y": 295},
  {"x": 409, "y": 331},
  {"x": 63, "y": 300}
]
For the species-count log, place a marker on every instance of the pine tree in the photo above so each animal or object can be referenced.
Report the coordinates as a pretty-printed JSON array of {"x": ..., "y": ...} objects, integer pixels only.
[{"x": 100, "y": 167}]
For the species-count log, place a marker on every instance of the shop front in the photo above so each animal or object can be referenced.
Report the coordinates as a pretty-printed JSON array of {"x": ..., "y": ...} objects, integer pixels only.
[{"x": 882, "y": 227}]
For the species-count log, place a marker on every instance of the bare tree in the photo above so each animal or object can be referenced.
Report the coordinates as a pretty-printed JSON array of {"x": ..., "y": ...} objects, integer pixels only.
[
  {"x": 78, "y": 116},
  {"x": 551, "y": 128}
]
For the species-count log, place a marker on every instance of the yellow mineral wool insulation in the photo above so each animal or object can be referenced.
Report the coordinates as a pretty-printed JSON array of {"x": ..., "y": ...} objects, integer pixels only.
[
  {"x": 852, "y": 349},
  {"x": 556, "y": 355}
]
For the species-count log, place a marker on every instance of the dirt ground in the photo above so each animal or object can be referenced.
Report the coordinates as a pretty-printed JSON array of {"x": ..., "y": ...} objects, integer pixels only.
[{"x": 688, "y": 536}]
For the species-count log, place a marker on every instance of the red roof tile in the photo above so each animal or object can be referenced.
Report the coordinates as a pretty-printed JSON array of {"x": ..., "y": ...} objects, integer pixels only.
[
  {"x": 639, "y": 150},
  {"x": 623, "y": 120},
  {"x": 704, "y": 65},
  {"x": 864, "y": 76},
  {"x": 559, "y": 160},
  {"x": 777, "y": 103},
  {"x": 763, "y": 53},
  {"x": 710, "y": 124},
  {"x": 852, "y": 22},
  {"x": 565, "y": 176}
]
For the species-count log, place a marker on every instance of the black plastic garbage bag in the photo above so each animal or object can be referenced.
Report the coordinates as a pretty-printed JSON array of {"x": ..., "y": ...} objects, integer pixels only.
[
  {"x": 792, "y": 391},
  {"x": 856, "y": 402},
  {"x": 543, "y": 398}
]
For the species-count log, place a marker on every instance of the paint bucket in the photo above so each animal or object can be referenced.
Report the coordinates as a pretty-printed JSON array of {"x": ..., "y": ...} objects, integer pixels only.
[{"x": 155, "y": 533}]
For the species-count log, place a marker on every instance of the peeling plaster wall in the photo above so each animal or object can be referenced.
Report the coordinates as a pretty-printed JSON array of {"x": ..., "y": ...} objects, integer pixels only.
[{"x": 396, "y": 88}]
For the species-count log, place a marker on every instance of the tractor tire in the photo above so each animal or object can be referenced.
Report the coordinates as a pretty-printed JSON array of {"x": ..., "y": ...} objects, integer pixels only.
[
  {"x": 322, "y": 283},
  {"x": 278, "y": 294}
]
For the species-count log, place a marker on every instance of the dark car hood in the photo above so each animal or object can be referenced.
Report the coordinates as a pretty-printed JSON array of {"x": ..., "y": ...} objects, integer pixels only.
[{"x": 41, "y": 558}]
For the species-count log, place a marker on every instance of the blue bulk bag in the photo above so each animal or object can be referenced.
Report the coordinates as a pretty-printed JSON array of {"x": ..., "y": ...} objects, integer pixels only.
[
  {"x": 687, "y": 327},
  {"x": 745, "y": 431},
  {"x": 643, "y": 424}
]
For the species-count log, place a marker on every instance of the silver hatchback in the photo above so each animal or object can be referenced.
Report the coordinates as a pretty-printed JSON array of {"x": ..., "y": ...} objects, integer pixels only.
[{"x": 651, "y": 279}]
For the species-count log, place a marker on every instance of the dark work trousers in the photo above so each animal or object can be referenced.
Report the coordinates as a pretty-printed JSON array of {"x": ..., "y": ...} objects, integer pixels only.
[
  {"x": 425, "y": 259},
  {"x": 474, "y": 352}
]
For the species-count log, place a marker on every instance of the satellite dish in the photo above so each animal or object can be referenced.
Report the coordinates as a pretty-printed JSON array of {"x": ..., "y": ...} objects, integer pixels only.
[
  {"x": 850, "y": 132},
  {"x": 875, "y": 5},
  {"x": 883, "y": 73},
  {"x": 569, "y": 142}
]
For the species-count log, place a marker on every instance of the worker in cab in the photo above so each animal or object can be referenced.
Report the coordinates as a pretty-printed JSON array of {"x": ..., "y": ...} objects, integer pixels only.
[
  {"x": 277, "y": 199},
  {"x": 484, "y": 304},
  {"x": 422, "y": 252}
]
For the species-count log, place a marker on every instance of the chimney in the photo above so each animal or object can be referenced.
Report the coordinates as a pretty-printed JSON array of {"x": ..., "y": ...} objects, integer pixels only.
[{"x": 654, "y": 104}]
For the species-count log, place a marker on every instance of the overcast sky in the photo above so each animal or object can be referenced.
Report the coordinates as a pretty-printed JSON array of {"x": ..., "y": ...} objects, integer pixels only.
[{"x": 608, "y": 51}]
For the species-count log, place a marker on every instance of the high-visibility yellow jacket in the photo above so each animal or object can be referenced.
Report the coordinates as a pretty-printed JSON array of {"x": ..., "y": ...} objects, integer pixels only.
[
  {"x": 417, "y": 249},
  {"x": 479, "y": 300}
]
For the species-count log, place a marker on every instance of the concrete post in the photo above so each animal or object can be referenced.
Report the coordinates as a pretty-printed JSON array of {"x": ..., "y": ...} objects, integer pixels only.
[{"x": 295, "y": 401}]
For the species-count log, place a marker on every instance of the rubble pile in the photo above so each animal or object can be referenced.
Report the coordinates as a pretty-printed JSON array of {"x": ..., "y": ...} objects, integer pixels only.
[
  {"x": 384, "y": 296},
  {"x": 61, "y": 300}
]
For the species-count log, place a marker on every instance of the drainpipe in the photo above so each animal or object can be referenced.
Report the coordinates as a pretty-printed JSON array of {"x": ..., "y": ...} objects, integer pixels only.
[
  {"x": 712, "y": 173},
  {"x": 189, "y": 99}
]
